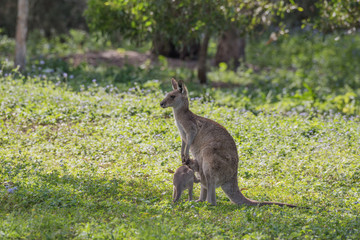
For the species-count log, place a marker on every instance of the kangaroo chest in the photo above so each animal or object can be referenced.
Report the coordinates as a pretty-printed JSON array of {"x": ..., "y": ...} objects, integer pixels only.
[{"x": 181, "y": 130}]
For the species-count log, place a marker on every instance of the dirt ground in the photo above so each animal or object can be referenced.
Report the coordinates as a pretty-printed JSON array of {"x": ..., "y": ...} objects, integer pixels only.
[{"x": 118, "y": 58}]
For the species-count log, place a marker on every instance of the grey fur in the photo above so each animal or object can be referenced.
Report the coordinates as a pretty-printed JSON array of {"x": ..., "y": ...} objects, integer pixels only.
[
  {"x": 213, "y": 148},
  {"x": 184, "y": 178}
]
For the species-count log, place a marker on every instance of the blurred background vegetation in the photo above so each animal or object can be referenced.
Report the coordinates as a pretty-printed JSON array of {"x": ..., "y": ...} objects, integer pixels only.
[{"x": 260, "y": 55}]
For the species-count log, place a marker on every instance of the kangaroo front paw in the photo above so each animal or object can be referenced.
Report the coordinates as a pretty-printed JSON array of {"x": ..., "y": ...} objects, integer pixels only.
[{"x": 185, "y": 159}]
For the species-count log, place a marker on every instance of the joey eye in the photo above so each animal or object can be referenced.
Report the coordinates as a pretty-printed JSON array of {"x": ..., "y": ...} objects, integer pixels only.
[{"x": 172, "y": 96}]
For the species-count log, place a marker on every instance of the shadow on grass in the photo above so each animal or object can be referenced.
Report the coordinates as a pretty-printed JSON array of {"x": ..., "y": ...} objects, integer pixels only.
[{"x": 55, "y": 191}]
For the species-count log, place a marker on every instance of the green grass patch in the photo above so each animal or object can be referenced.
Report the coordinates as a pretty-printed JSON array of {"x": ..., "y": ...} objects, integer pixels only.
[{"x": 92, "y": 162}]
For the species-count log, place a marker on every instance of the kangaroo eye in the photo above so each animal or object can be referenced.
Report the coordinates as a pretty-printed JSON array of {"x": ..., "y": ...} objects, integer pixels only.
[{"x": 172, "y": 96}]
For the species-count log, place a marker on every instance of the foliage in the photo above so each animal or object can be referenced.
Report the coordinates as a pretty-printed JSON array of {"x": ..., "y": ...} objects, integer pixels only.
[
  {"x": 7, "y": 45},
  {"x": 59, "y": 46},
  {"x": 179, "y": 21},
  {"x": 63, "y": 45},
  {"x": 93, "y": 164},
  {"x": 325, "y": 64},
  {"x": 49, "y": 17},
  {"x": 337, "y": 15}
]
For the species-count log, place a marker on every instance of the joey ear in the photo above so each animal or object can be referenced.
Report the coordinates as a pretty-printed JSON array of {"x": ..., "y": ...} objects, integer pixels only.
[
  {"x": 174, "y": 84},
  {"x": 182, "y": 87}
]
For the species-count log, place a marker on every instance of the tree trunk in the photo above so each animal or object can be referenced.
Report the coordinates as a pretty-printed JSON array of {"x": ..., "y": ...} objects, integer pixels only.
[
  {"x": 202, "y": 59},
  {"x": 21, "y": 31},
  {"x": 231, "y": 48}
]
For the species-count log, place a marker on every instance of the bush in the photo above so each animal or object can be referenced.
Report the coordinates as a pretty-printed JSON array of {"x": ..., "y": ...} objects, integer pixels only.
[
  {"x": 7, "y": 46},
  {"x": 323, "y": 63}
]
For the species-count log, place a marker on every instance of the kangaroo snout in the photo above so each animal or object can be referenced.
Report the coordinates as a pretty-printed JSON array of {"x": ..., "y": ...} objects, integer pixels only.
[{"x": 162, "y": 104}]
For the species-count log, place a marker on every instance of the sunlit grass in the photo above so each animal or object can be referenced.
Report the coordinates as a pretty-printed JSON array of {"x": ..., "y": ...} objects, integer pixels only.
[
  {"x": 93, "y": 163},
  {"x": 85, "y": 151}
]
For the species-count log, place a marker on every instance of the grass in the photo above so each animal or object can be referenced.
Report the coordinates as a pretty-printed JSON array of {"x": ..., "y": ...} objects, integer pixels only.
[
  {"x": 94, "y": 164},
  {"x": 85, "y": 151}
]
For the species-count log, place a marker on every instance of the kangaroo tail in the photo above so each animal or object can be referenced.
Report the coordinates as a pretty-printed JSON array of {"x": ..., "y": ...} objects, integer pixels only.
[
  {"x": 276, "y": 203},
  {"x": 176, "y": 194},
  {"x": 233, "y": 192}
]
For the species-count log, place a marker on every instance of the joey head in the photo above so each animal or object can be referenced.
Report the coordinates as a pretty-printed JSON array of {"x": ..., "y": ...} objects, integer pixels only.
[
  {"x": 212, "y": 147},
  {"x": 184, "y": 178}
]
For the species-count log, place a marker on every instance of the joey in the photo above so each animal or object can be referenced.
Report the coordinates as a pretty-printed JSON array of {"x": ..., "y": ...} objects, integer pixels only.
[{"x": 184, "y": 178}]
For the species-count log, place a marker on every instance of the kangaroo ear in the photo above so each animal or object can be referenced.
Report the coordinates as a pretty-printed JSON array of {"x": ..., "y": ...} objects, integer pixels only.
[
  {"x": 182, "y": 87},
  {"x": 174, "y": 84}
]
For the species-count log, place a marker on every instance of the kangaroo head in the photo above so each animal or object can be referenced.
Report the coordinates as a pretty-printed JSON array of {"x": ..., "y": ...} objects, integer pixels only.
[
  {"x": 177, "y": 98},
  {"x": 193, "y": 164}
]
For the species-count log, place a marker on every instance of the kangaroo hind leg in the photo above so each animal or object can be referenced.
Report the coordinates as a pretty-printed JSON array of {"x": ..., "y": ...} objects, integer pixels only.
[
  {"x": 203, "y": 194},
  {"x": 191, "y": 192},
  {"x": 211, "y": 193}
]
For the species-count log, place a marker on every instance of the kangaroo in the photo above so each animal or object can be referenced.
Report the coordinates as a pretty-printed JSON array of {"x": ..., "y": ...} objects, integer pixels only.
[
  {"x": 184, "y": 178},
  {"x": 212, "y": 147}
]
